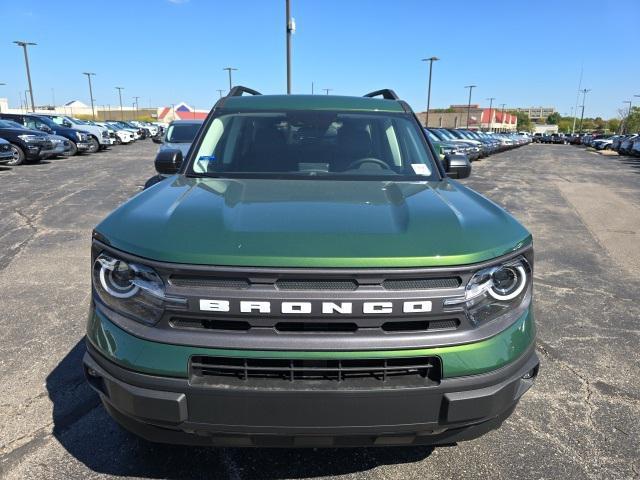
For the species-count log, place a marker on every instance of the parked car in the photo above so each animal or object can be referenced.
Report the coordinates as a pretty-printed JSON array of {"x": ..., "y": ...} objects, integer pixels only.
[
  {"x": 6, "y": 153},
  {"x": 310, "y": 275},
  {"x": 78, "y": 139},
  {"x": 98, "y": 136},
  {"x": 180, "y": 135},
  {"x": 137, "y": 132},
  {"x": 120, "y": 135},
  {"x": 470, "y": 150},
  {"x": 627, "y": 145},
  {"x": 603, "y": 143},
  {"x": 635, "y": 149},
  {"x": 26, "y": 145}
]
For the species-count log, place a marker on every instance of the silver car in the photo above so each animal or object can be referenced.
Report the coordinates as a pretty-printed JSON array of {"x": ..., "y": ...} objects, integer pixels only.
[{"x": 180, "y": 135}]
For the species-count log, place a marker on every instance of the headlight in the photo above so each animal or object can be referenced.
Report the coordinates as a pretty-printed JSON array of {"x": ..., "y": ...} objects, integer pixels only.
[
  {"x": 79, "y": 136},
  {"x": 132, "y": 289},
  {"x": 30, "y": 138},
  {"x": 494, "y": 291}
]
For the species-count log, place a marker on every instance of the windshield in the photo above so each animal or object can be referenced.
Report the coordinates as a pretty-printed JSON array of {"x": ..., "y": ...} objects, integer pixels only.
[
  {"x": 320, "y": 144},
  {"x": 182, "y": 132}
]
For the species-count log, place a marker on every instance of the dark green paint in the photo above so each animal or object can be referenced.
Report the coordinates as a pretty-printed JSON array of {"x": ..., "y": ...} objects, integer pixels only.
[
  {"x": 311, "y": 103},
  {"x": 312, "y": 223},
  {"x": 172, "y": 360}
]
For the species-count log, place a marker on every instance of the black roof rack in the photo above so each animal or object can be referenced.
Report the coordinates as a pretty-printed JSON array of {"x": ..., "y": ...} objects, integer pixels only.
[
  {"x": 385, "y": 93},
  {"x": 238, "y": 90}
]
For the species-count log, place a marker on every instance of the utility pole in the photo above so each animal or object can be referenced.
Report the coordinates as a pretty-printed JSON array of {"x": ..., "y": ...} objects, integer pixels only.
[
  {"x": 2, "y": 84},
  {"x": 626, "y": 118},
  {"x": 502, "y": 116},
  {"x": 470, "y": 87},
  {"x": 230, "y": 69},
  {"x": 584, "y": 96},
  {"x": 573, "y": 129},
  {"x": 490, "y": 122},
  {"x": 89, "y": 75},
  {"x": 290, "y": 27},
  {"x": 24, "y": 46},
  {"x": 120, "y": 95},
  {"x": 327, "y": 90},
  {"x": 137, "y": 114},
  {"x": 312, "y": 88},
  {"x": 220, "y": 92},
  {"x": 430, "y": 60}
]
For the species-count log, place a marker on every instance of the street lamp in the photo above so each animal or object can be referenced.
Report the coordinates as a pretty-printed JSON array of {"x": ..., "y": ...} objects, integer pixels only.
[
  {"x": 120, "y": 95},
  {"x": 502, "y": 115},
  {"x": 430, "y": 60},
  {"x": 626, "y": 118},
  {"x": 327, "y": 90},
  {"x": 230, "y": 69},
  {"x": 490, "y": 122},
  {"x": 290, "y": 27},
  {"x": 89, "y": 75},
  {"x": 24, "y": 46},
  {"x": 136, "y": 100},
  {"x": 220, "y": 92},
  {"x": 2, "y": 84},
  {"x": 584, "y": 96},
  {"x": 470, "y": 87}
]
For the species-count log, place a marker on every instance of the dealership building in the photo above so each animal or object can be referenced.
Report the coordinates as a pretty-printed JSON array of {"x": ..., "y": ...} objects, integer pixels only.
[{"x": 479, "y": 118}]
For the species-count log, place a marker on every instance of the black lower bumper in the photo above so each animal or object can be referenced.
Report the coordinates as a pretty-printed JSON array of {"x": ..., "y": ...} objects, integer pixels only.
[{"x": 171, "y": 410}]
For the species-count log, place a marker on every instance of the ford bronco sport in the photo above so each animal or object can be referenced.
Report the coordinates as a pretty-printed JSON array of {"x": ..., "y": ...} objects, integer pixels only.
[{"x": 310, "y": 275}]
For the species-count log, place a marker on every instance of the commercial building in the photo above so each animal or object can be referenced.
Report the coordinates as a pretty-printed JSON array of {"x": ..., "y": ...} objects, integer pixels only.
[
  {"x": 479, "y": 118},
  {"x": 537, "y": 114}
]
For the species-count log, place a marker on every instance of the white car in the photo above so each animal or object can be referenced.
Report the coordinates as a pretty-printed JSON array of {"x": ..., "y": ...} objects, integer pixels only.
[
  {"x": 122, "y": 136},
  {"x": 152, "y": 129},
  {"x": 99, "y": 136}
]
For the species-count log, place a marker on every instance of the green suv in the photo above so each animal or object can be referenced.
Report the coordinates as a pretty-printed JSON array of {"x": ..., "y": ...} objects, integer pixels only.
[{"x": 310, "y": 275}]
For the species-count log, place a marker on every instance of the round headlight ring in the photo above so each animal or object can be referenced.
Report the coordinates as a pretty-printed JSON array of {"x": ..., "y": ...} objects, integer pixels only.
[
  {"x": 515, "y": 274},
  {"x": 113, "y": 279}
]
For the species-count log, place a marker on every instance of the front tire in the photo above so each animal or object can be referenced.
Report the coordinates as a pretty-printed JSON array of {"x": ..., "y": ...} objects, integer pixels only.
[
  {"x": 73, "y": 151},
  {"x": 18, "y": 156},
  {"x": 94, "y": 145}
]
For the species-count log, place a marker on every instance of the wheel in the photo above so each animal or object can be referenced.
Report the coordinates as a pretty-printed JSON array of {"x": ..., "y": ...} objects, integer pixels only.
[
  {"x": 18, "y": 155},
  {"x": 118, "y": 141},
  {"x": 74, "y": 149},
  {"x": 94, "y": 145}
]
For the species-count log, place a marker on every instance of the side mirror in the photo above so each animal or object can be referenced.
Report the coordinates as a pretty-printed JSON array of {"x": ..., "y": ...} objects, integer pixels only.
[
  {"x": 457, "y": 166},
  {"x": 157, "y": 139},
  {"x": 66, "y": 124},
  {"x": 45, "y": 128},
  {"x": 168, "y": 162}
]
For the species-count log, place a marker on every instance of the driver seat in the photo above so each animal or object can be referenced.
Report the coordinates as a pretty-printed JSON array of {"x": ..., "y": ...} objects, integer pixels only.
[{"x": 353, "y": 143}]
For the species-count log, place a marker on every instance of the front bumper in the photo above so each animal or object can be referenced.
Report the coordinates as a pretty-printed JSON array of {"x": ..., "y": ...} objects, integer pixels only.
[
  {"x": 83, "y": 146},
  {"x": 165, "y": 406}
]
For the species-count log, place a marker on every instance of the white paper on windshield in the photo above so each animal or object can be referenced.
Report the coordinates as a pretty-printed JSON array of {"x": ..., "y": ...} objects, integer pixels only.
[{"x": 420, "y": 168}]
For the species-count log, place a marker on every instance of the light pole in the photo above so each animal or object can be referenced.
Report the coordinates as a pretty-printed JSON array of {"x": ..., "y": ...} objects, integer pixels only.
[
  {"x": 502, "y": 115},
  {"x": 24, "y": 46},
  {"x": 430, "y": 60},
  {"x": 2, "y": 84},
  {"x": 136, "y": 100},
  {"x": 312, "y": 92},
  {"x": 120, "y": 95},
  {"x": 220, "y": 92},
  {"x": 584, "y": 96},
  {"x": 626, "y": 118},
  {"x": 327, "y": 90},
  {"x": 230, "y": 69},
  {"x": 290, "y": 27},
  {"x": 470, "y": 87},
  {"x": 89, "y": 75},
  {"x": 490, "y": 122}
]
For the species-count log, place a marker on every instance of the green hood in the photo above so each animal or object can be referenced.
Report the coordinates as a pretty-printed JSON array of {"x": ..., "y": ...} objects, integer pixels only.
[{"x": 312, "y": 223}]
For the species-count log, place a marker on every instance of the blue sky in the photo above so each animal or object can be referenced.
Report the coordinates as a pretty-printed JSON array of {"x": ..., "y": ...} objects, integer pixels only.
[{"x": 523, "y": 53}]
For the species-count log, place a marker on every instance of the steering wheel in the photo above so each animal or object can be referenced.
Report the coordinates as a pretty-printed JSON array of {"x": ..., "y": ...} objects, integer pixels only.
[{"x": 358, "y": 163}]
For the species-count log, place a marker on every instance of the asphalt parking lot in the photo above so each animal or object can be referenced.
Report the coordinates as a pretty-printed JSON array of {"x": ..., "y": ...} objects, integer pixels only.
[{"x": 582, "y": 419}]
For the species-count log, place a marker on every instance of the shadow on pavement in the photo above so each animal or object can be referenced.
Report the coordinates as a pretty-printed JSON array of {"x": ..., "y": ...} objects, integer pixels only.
[{"x": 85, "y": 430}]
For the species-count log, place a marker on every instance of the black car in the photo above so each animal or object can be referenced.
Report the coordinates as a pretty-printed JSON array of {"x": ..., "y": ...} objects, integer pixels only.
[
  {"x": 78, "y": 140},
  {"x": 27, "y": 145}
]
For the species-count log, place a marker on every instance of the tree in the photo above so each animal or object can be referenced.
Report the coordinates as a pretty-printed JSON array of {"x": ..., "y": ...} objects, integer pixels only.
[
  {"x": 632, "y": 121},
  {"x": 565, "y": 124},
  {"x": 554, "y": 118},
  {"x": 613, "y": 125},
  {"x": 524, "y": 122}
]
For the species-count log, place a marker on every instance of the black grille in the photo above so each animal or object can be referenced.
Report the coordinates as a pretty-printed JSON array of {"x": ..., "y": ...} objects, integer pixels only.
[
  {"x": 210, "y": 324},
  {"x": 215, "y": 371},
  {"x": 209, "y": 282},
  {"x": 421, "y": 325},
  {"x": 316, "y": 327},
  {"x": 421, "y": 283},
  {"x": 316, "y": 284}
]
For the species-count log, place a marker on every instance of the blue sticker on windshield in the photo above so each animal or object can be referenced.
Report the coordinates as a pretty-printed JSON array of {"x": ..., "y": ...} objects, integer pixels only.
[{"x": 207, "y": 158}]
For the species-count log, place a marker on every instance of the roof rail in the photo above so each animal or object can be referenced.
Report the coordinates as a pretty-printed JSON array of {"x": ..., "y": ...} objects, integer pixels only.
[
  {"x": 385, "y": 93},
  {"x": 238, "y": 90}
]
